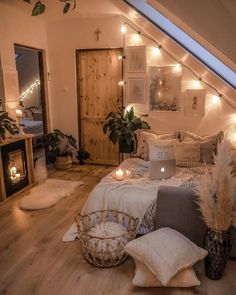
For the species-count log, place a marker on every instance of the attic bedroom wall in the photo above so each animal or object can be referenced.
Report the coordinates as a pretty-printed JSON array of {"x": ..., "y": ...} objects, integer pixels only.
[
  {"x": 64, "y": 38},
  {"x": 17, "y": 27},
  {"x": 218, "y": 115}
]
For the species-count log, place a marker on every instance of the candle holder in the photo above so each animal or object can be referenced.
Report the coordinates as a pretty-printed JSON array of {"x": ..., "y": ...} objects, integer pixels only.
[{"x": 121, "y": 174}]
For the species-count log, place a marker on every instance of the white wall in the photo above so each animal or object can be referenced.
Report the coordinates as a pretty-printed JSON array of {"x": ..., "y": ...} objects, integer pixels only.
[
  {"x": 64, "y": 38},
  {"x": 218, "y": 115},
  {"x": 17, "y": 27},
  {"x": 61, "y": 39}
]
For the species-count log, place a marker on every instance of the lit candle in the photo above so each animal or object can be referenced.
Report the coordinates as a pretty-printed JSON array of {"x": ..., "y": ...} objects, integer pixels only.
[
  {"x": 19, "y": 113},
  {"x": 18, "y": 176},
  {"x": 13, "y": 171},
  {"x": 119, "y": 174}
]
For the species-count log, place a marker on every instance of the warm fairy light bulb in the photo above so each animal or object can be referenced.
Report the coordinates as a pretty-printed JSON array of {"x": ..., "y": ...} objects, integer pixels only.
[
  {"x": 215, "y": 99},
  {"x": 156, "y": 51},
  {"x": 123, "y": 29},
  {"x": 121, "y": 83},
  {"x": 197, "y": 83},
  {"x": 178, "y": 66}
]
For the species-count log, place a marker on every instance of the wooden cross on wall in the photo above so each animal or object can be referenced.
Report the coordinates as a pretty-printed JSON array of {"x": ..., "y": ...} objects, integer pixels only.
[{"x": 97, "y": 33}]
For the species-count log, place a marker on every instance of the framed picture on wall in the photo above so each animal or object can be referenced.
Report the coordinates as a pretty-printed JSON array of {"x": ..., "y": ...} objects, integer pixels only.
[
  {"x": 194, "y": 103},
  {"x": 136, "y": 90},
  {"x": 136, "y": 59},
  {"x": 165, "y": 88}
]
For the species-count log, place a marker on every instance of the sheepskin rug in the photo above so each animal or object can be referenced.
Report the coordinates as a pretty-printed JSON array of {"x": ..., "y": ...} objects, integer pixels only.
[{"x": 48, "y": 193}]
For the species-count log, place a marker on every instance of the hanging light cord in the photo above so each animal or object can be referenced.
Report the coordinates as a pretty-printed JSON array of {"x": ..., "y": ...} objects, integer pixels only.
[{"x": 223, "y": 97}]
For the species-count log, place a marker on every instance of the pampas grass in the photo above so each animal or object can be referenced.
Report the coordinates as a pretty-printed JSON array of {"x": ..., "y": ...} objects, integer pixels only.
[{"x": 217, "y": 192}]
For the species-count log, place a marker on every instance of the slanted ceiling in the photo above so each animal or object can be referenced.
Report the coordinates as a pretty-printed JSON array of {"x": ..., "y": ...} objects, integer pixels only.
[{"x": 210, "y": 22}]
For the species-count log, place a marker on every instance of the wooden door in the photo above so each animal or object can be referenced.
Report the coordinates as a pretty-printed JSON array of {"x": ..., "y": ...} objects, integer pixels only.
[{"x": 98, "y": 74}]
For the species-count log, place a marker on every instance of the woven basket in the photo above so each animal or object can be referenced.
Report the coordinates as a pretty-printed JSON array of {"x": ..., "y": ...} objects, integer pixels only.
[{"x": 109, "y": 251}]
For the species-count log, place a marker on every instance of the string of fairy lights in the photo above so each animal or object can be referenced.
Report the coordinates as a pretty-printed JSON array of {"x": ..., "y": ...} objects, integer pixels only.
[
  {"x": 29, "y": 90},
  {"x": 159, "y": 47}
]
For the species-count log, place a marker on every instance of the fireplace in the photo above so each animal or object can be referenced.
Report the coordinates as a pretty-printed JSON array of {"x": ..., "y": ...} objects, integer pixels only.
[{"x": 16, "y": 165}]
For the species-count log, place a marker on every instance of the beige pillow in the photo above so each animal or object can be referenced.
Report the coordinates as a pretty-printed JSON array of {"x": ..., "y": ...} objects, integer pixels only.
[
  {"x": 187, "y": 151},
  {"x": 165, "y": 252},
  {"x": 161, "y": 149},
  {"x": 142, "y": 149},
  {"x": 145, "y": 278}
]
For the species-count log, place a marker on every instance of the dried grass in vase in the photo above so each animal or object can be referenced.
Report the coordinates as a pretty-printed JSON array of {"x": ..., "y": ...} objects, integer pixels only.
[
  {"x": 217, "y": 192},
  {"x": 217, "y": 201}
]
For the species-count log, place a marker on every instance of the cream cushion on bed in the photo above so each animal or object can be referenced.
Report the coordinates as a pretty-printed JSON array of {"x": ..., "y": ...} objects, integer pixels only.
[
  {"x": 187, "y": 151},
  {"x": 143, "y": 149},
  {"x": 161, "y": 149},
  {"x": 145, "y": 278},
  {"x": 165, "y": 252}
]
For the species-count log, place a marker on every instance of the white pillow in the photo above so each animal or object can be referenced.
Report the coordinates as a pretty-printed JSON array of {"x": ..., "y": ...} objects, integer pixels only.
[
  {"x": 161, "y": 149},
  {"x": 187, "y": 151},
  {"x": 145, "y": 278},
  {"x": 165, "y": 252},
  {"x": 142, "y": 150}
]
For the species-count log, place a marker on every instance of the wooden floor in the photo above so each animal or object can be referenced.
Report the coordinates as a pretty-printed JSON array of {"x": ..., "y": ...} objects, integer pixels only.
[{"x": 34, "y": 260}]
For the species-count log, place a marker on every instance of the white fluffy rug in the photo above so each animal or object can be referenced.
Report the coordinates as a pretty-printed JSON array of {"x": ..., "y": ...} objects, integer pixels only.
[{"x": 48, "y": 193}]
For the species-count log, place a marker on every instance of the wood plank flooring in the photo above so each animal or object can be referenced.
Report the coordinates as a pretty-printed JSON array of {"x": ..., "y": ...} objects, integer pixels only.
[{"x": 34, "y": 260}]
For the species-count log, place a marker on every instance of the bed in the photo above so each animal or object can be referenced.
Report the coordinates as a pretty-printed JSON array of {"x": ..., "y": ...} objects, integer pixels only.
[
  {"x": 137, "y": 194},
  {"x": 35, "y": 128}
]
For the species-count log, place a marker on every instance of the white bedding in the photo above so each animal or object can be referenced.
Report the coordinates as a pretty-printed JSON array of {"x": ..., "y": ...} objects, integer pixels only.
[{"x": 133, "y": 195}]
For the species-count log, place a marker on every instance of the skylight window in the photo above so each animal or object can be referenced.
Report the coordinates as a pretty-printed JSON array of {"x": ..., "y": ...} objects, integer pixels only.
[{"x": 186, "y": 41}]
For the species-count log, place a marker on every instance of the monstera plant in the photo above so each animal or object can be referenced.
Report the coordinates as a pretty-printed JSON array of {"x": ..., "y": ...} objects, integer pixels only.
[
  {"x": 7, "y": 124},
  {"x": 122, "y": 129},
  {"x": 40, "y": 7}
]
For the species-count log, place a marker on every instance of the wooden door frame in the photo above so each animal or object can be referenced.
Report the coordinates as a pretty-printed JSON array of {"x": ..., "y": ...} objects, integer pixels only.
[
  {"x": 43, "y": 81},
  {"x": 77, "y": 52}
]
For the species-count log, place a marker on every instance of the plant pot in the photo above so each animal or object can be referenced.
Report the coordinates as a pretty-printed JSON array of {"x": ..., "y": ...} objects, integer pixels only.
[
  {"x": 82, "y": 155},
  {"x": 63, "y": 163},
  {"x": 126, "y": 148},
  {"x": 218, "y": 244}
]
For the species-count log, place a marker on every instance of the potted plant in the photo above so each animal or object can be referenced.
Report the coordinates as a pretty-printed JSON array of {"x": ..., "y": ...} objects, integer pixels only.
[
  {"x": 122, "y": 128},
  {"x": 60, "y": 148},
  {"x": 7, "y": 124},
  {"x": 217, "y": 201}
]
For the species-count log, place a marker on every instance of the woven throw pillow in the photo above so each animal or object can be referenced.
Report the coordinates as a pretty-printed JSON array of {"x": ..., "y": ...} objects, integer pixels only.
[
  {"x": 145, "y": 278},
  {"x": 143, "y": 150},
  {"x": 207, "y": 149},
  {"x": 165, "y": 252},
  {"x": 215, "y": 137},
  {"x": 188, "y": 151},
  {"x": 161, "y": 149}
]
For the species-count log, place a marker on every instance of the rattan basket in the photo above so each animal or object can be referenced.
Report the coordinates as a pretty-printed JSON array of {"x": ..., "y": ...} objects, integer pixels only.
[{"x": 109, "y": 251}]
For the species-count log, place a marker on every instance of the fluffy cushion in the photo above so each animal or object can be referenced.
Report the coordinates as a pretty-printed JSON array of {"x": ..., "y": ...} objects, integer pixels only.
[
  {"x": 142, "y": 150},
  {"x": 187, "y": 152},
  {"x": 161, "y": 149},
  {"x": 145, "y": 278},
  {"x": 165, "y": 252}
]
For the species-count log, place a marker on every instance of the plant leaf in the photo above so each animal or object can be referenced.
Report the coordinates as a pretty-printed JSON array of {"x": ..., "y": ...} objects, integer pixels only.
[
  {"x": 38, "y": 9},
  {"x": 66, "y": 7}
]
